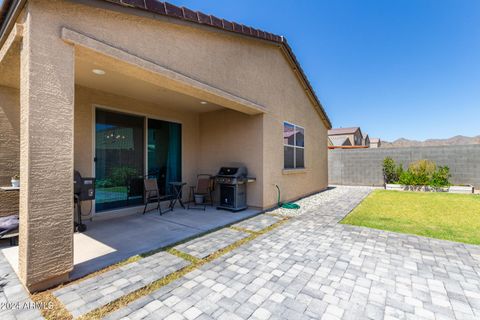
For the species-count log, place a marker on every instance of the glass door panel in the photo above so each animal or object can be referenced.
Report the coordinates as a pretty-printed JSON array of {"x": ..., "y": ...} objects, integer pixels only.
[
  {"x": 164, "y": 153},
  {"x": 119, "y": 160}
]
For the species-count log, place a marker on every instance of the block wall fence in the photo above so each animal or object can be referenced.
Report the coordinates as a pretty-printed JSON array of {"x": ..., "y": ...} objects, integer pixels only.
[{"x": 364, "y": 166}]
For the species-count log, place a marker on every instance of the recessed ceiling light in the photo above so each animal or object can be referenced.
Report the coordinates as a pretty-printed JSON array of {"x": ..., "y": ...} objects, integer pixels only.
[
  {"x": 203, "y": 102},
  {"x": 98, "y": 72}
]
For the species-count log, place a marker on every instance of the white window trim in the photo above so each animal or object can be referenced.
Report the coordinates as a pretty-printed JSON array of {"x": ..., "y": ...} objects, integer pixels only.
[{"x": 294, "y": 146}]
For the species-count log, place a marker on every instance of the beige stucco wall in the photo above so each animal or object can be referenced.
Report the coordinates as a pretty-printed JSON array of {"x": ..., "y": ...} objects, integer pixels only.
[
  {"x": 249, "y": 68},
  {"x": 87, "y": 99},
  {"x": 231, "y": 138},
  {"x": 252, "y": 69},
  {"x": 46, "y": 152},
  {"x": 9, "y": 147}
]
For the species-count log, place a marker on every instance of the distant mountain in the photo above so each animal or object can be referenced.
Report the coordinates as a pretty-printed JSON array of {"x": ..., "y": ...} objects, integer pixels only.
[{"x": 457, "y": 140}]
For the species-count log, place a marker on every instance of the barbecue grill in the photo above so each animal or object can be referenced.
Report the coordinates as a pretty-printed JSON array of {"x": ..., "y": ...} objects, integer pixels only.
[{"x": 232, "y": 183}]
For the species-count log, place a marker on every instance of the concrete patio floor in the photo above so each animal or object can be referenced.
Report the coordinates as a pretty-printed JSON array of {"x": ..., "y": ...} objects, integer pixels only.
[{"x": 112, "y": 240}]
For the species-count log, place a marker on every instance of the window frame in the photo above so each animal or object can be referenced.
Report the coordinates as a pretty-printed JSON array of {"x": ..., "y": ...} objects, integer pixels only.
[{"x": 294, "y": 146}]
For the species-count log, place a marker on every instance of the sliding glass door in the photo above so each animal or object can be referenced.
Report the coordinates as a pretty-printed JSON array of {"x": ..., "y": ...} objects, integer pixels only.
[
  {"x": 120, "y": 157},
  {"x": 164, "y": 153},
  {"x": 119, "y": 160}
]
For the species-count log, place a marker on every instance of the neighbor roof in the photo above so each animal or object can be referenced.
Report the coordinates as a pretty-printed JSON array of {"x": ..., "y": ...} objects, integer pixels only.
[
  {"x": 182, "y": 13},
  {"x": 340, "y": 141},
  {"x": 338, "y": 131},
  {"x": 374, "y": 140}
]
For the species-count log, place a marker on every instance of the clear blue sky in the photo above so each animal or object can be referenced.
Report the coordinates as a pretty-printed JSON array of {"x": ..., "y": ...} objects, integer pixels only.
[{"x": 407, "y": 68}]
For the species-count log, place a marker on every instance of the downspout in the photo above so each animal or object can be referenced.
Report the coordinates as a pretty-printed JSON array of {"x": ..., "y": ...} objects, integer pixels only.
[{"x": 9, "y": 13}]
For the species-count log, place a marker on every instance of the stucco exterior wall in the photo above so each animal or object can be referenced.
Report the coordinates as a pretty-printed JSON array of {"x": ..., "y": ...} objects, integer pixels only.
[
  {"x": 9, "y": 147},
  {"x": 297, "y": 183},
  {"x": 87, "y": 99},
  {"x": 252, "y": 69},
  {"x": 231, "y": 138},
  {"x": 46, "y": 152},
  {"x": 56, "y": 117}
]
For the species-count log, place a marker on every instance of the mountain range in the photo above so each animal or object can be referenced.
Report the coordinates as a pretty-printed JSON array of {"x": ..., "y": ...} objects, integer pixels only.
[{"x": 457, "y": 140}]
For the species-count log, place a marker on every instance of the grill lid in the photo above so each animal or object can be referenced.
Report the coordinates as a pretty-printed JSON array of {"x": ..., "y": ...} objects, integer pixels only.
[{"x": 232, "y": 172}]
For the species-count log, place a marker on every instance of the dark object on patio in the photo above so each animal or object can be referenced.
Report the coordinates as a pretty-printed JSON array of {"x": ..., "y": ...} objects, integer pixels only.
[
  {"x": 9, "y": 228},
  {"x": 203, "y": 190},
  {"x": 178, "y": 191},
  {"x": 152, "y": 195},
  {"x": 233, "y": 188},
  {"x": 83, "y": 190},
  {"x": 134, "y": 188}
]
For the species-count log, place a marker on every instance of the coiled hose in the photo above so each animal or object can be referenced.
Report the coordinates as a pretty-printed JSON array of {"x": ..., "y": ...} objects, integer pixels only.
[{"x": 288, "y": 205}]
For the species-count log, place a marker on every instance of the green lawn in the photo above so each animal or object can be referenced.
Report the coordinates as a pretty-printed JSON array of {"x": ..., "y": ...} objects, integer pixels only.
[{"x": 454, "y": 217}]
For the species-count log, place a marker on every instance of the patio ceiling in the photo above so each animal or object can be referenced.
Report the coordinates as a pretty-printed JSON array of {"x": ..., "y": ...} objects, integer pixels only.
[
  {"x": 150, "y": 76},
  {"x": 119, "y": 83}
]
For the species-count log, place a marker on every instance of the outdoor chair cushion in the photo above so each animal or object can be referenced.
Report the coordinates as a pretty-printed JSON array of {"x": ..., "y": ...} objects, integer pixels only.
[{"x": 8, "y": 223}]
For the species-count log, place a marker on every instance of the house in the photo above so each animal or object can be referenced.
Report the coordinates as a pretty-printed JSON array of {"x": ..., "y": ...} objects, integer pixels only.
[
  {"x": 366, "y": 141},
  {"x": 339, "y": 141},
  {"x": 354, "y": 135},
  {"x": 116, "y": 88},
  {"x": 375, "y": 143}
]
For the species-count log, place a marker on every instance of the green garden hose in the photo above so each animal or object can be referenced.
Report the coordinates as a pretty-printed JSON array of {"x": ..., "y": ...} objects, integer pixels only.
[{"x": 288, "y": 205}]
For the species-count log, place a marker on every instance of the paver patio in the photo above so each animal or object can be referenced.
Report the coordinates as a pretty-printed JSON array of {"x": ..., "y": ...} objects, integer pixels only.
[
  {"x": 204, "y": 246},
  {"x": 258, "y": 223},
  {"x": 14, "y": 300},
  {"x": 87, "y": 295},
  {"x": 313, "y": 267}
]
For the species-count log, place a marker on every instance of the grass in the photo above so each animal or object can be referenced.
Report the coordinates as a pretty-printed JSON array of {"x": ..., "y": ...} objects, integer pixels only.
[{"x": 447, "y": 216}]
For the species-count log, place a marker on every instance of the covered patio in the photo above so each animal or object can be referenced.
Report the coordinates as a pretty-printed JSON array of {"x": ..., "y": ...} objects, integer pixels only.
[
  {"x": 116, "y": 115},
  {"x": 108, "y": 241}
]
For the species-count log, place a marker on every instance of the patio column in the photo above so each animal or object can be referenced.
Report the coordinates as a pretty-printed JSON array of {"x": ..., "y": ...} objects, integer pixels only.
[{"x": 46, "y": 156}]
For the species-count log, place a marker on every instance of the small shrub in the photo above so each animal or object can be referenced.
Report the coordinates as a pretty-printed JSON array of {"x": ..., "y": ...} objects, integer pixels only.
[
  {"x": 390, "y": 170},
  {"x": 407, "y": 178},
  {"x": 440, "y": 178}
]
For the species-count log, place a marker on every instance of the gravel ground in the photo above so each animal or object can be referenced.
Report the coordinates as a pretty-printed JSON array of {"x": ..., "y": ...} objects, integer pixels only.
[{"x": 311, "y": 202}]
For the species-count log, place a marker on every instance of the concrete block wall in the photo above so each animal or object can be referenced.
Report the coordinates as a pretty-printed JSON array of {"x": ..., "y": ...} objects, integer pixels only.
[{"x": 364, "y": 166}]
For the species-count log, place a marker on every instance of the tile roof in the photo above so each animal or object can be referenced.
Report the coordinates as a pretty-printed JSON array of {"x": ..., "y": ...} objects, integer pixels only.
[
  {"x": 340, "y": 141},
  {"x": 182, "y": 13},
  {"x": 168, "y": 9},
  {"x": 337, "y": 131}
]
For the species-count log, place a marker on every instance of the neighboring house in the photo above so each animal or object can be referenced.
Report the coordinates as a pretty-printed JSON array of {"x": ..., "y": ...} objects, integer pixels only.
[
  {"x": 366, "y": 141},
  {"x": 187, "y": 91},
  {"x": 353, "y": 134},
  {"x": 375, "y": 143},
  {"x": 340, "y": 141}
]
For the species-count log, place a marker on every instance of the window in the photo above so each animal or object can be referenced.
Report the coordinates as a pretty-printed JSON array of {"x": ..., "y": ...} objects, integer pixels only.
[{"x": 293, "y": 146}]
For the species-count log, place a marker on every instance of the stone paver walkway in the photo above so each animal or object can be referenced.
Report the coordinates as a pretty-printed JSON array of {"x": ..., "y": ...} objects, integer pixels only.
[
  {"x": 312, "y": 268},
  {"x": 15, "y": 302},
  {"x": 85, "y": 296},
  {"x": 258, "y": 223},
  {"x": 204, "y": 246}
]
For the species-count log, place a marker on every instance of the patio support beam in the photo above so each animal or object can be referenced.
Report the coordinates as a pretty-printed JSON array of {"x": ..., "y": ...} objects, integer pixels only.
[
  {"x": 160, "y": 75},
  {"x": 15, "y": 35},
  {"x": 46, "y": 156}
]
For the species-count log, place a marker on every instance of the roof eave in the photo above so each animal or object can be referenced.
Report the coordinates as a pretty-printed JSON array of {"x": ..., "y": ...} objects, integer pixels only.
[{"x": 9, "y": 12}]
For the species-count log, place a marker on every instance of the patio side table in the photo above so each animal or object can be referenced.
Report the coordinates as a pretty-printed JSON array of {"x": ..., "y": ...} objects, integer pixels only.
[{"x": 177, "y": 193}]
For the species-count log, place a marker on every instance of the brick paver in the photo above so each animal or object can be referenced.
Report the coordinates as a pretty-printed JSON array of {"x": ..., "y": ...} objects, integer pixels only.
[
  {"x": 15, "y": 302},
  {"x": 204, "y": 246},
  {"x": 85, "y": 296},
  {"x": 313, "y": 267},
  {"x": 258, "y": 223}
]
